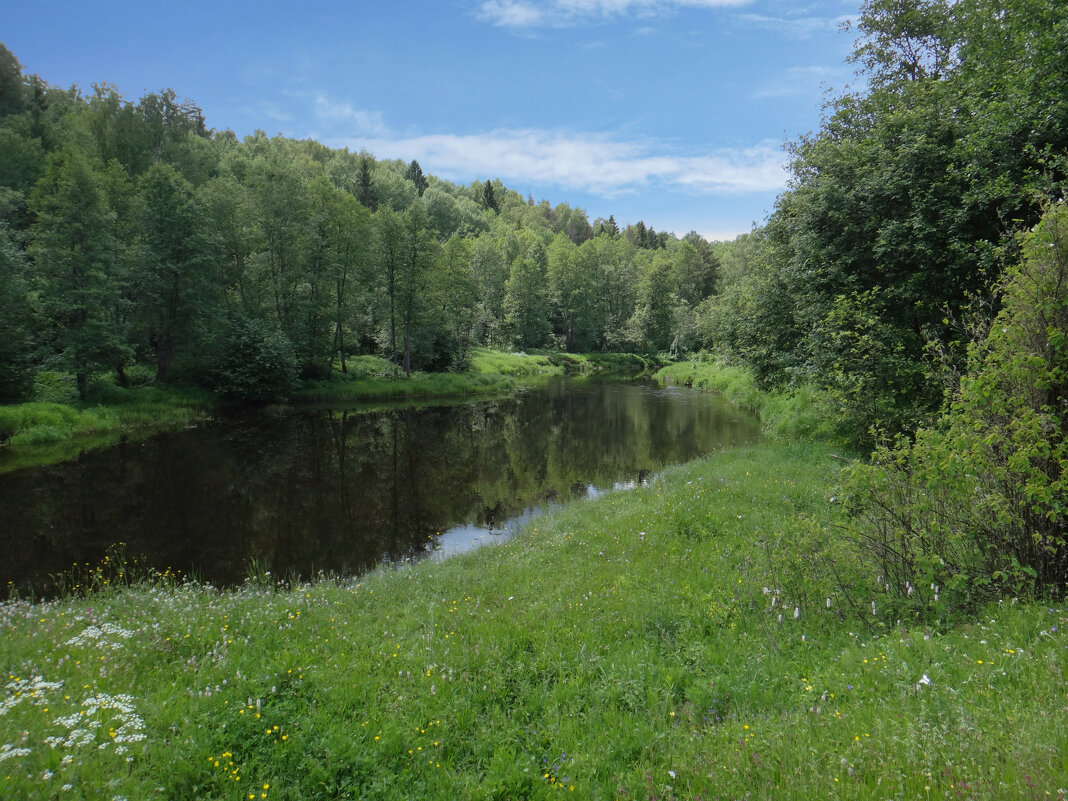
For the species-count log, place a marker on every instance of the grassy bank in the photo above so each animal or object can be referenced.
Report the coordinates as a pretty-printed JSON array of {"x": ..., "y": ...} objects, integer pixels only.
[
  {"x": 797, "y": 413},
  {"x": 59, "y": 425},
  {"x": 641, "y": 645},
  {"x": 489, "y": 372}
]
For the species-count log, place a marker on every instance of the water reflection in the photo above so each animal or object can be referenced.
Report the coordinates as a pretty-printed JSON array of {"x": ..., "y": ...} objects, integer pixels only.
[{"x": 344, "y": 490}]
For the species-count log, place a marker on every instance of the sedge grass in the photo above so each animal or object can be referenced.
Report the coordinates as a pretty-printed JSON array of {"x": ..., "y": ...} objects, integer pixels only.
[{"x": 640, "y": 645}]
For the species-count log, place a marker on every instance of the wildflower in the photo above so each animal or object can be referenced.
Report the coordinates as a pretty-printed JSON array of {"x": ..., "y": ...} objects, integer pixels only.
[{"x": 797, "y": 612}]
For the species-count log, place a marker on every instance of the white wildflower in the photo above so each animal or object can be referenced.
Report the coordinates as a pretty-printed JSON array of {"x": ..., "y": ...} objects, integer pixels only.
[{"x": 7, "y": 751}]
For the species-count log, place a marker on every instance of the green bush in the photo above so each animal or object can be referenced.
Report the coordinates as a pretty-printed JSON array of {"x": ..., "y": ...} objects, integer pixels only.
[
  {"x": 976, "y": 507},
  {"x": 254, "y": 362},
  {"x": 54, "y": 387}
]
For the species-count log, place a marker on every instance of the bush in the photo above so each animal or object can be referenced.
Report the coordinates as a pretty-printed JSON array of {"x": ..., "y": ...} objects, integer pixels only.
[
  {"x": 976, "y": 506},
  {"x": 254, "y": 362}
]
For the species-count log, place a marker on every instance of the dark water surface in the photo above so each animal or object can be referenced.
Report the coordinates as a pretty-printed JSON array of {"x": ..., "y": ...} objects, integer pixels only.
[{"x": 344, "y": 490}]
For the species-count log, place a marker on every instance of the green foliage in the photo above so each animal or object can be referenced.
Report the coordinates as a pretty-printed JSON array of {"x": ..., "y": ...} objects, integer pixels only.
[
  {"x": 36, "y": 422},
  {"x": 16, "y": 377},
  {"x": 254, "y": 362},
  {"x": 78, "y": 277},
  {"x": 900, "y": 209},
  {"x": 977, "y": 505}
]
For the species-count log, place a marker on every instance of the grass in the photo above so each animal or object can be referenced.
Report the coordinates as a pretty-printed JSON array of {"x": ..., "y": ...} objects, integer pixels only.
[
  {"x": 489, "y": 372},
  {"x": 57, "y": 426},
  {"x": 517, "y": 365},
  {"x": 640, "y": 645},
  {"x": 797, "y": 413}
]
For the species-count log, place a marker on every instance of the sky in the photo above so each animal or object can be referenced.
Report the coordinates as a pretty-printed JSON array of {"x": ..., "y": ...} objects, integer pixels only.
[{"x": 674, "y": 112}]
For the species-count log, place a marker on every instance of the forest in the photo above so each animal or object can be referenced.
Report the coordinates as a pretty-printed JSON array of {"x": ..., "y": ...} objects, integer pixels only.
[{"x": 133, "y": 234}]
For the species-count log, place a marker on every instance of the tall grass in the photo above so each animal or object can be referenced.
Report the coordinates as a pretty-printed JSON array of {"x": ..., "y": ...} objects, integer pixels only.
[
  {"x": 517, "y": 365},
  {"x": 796, "y": 413},
  {"x": 641, "y": 645}
]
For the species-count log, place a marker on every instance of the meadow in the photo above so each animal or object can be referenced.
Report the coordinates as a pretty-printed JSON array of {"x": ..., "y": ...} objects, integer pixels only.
[{"x": 687, "y": 639}]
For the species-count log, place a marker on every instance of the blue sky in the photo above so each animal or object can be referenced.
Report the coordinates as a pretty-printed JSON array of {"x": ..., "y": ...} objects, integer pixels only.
[{"x": 670, "y": 111}]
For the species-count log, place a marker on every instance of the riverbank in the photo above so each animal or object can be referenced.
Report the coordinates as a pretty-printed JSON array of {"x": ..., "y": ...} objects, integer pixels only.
[
  {"x": 57, "y": 416},
  {"x": 671, "y": 641},
  {"x": 796, "y": 413}
]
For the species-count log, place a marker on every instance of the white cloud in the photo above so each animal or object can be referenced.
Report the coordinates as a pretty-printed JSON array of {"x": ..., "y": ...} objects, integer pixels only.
[
  {"x": 560, "y": 13},
  {"x": 585, "y": 162},
  {"x": 358, "y": 121},
  {"x": 800, "y": 27}
]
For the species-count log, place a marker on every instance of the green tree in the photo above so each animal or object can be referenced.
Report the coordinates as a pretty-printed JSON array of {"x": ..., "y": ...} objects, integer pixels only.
[
  {"x": 573, "y": 290},
  {"x": 172, "y": 285},
  {"x": 13, "y": 94},
  {"x": 526, "y": 302},
  {"x": 15, "y": 366},
  {"x": 977, "y": 504},
  {"x": 650, "y": 327},
  {"x": 414, "y": 173},
  {"x": 489, "y": 197},
  {"x": 75, "y": 253},
  {"x": 365, "y": 189}
]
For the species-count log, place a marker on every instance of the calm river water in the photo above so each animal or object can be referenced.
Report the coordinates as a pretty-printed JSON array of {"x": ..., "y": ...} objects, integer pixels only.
[{"x": 346, "y": 490}]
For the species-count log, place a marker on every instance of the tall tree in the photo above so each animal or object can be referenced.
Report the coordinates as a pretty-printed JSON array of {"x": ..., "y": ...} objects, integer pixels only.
[
  {"x": 15, "y": 374},
  {"x": 526, "y": 301},
  {"x": 172, "y": 284},
  {"x": 75, "y": 254},
  {"x": 489, "y": 196},
  {"x": 414, "y": 173}
]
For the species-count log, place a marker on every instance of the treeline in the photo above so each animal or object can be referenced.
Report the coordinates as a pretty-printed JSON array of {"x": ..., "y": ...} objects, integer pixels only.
[
  {"x": 881, "y": 261},
  {"x": 132, "y": 234},
  {"x": 915, "y": 274}
]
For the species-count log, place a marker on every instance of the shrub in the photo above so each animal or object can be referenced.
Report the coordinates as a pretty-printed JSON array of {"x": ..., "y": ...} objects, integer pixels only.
[
  {"x": 254, "y": 362},
  {"x": 976, "y": 506}
]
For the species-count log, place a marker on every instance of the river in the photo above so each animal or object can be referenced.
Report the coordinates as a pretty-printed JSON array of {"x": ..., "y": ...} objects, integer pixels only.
[{"x": 344, "y": 490}]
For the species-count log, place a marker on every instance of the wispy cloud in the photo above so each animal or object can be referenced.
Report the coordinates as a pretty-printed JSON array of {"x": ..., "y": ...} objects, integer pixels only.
[
  {"x": 357, "y": 121},
  {"x": 520, "y": 14},
  {"x": 801, "y": 80},
  {"x": 797, "y": 26},
  {"x": 585, "y": 162}
]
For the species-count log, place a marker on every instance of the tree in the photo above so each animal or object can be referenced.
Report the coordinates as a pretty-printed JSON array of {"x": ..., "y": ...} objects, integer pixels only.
[
  {"x": 977, "y": 503},
  {"x": 414, "y": 173},
  {"x": 573, "y": 290},
  {"x": 349, "y": 239},
  {"x": 526, "y": 303},
  {"x": 489, "y": 197},
  {"x": 454, "y": 299},
  {"x": 75, "y": 255},
  {"x": 365, "y": 190},
  {"x": 13, "y": 93},
  {"x": 15, "y": 374},
  {"x": 649, "y": 328},
  {"x": 172, "y": 284}
]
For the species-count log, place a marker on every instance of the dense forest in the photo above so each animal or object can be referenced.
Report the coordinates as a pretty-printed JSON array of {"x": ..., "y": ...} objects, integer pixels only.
[{"x": 132, "y": 234}]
